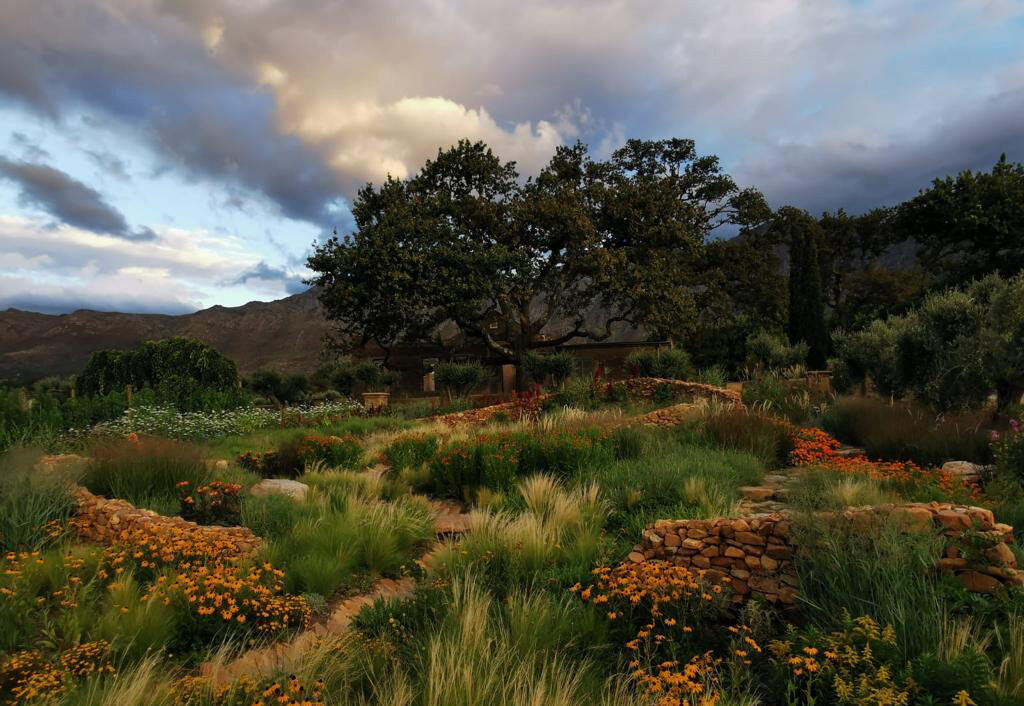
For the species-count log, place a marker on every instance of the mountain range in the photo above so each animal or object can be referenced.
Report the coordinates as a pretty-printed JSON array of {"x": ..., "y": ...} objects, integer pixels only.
[{"x": 286, "y": 335}]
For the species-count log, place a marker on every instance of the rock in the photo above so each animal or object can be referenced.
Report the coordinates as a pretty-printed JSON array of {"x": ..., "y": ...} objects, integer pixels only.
[
  {"x": 749, "y": 538},
  {"x": 849, "y": 451},
  {"x": 280, "y": 486},
  {"x": 977, "y": 582},
  {"x": 734, "y": 552},
  {"x": 215, "y": 464},
  {"x": 635, "y": 557},
  {"x": 963, "y": 469},
  {"x": 757, "y": 492},
  {"x": 1002, "y": 555}
]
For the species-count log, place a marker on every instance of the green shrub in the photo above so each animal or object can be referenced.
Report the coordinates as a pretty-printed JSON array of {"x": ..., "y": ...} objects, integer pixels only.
[
  {"x": 558, "y": 365},
  {"x": 272, "y": 516},
  {"x": 30, "y": 501},
  {"x": 764, "y": 390},
  {"x": 460, "y": 379},
  {"x": 673, "y": 364},
  {"x": 904, "y": 431},
  {"x": 144, "y": 470},
  {"x": 773, "y": 352},
  {"x": 179, "y": 362},
  {"x": 714, "y": 375},
  {"x": 760, "y": 434},
  {"x": 410, "y": 451}
]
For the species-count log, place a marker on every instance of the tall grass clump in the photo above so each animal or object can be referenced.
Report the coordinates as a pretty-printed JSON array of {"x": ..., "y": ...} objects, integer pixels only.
[
  {"x": 824, "y": 489},
  {"x": 875, "y": 570},
  {"x": 560, "y": 531},
  {"x": 909, "y": 431},
  {"x": 753, "y": 431},
  {"x": 144, "y": 471},
  {"x": 410, "y": 451},
  {"x": 32, "y": 502},
  {"x": 673, "y": 478},
  {"x": 272, "y": 516},
  {"x": 336, "y": 546}
]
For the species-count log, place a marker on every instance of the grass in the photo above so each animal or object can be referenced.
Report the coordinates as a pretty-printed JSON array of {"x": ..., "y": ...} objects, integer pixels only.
[
  {"x": 673, "y": 478},
  {"x": 876, "y": 571},
  {"x": 335, "y": 544},
  {"x": 752, "y": 431},
  {"x": 30, "y": 501},
  {"x": 822, "y": 489},
  {"x": 268, "y": 439},
  {"x": 558, "y": 531},
  {"x": 902, "y": 431},
  {"x": 144, "y": 472}
]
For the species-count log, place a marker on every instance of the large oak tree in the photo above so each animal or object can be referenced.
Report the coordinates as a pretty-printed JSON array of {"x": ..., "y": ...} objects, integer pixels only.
[{"x": 568, "y": 254}]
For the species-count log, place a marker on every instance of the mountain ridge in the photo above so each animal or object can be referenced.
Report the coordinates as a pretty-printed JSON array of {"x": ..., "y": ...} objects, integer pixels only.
[{"x": 286, "y": 334}]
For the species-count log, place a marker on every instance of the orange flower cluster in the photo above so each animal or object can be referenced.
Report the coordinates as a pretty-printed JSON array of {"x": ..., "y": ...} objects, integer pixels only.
[
  {"x": 155, "y": 546},
  {"x": 214, "y": 503},
  {"x": 227, "y": 594},
  {"x": 290, "y": 691},
  {"x": 693, "y": 685},
  {"x": 29, "y": 675},
  {"x": 815, "y": 447}
]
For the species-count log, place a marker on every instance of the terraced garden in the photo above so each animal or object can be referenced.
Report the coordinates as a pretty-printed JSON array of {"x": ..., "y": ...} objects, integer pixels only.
[{"x": 689, "y": 550}]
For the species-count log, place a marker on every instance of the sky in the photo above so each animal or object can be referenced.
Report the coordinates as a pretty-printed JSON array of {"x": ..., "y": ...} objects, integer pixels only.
[{"x": 170, "y": 155}]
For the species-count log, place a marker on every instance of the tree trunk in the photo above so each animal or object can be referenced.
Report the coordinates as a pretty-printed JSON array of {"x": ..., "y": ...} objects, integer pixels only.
[{"x": 1008, "y": 393}]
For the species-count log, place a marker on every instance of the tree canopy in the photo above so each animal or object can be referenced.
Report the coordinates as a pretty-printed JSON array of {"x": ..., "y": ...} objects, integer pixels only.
[
  {"x": 518, "y": 265},
  {"x": 171, "y": 362},
  {"x": 970, "y": 225}
]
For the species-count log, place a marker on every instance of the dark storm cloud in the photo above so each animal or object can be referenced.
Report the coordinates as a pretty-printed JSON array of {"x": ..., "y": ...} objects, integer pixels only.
[
  {"x": 150, "y": 73},
  {"x": 67, "y": 199},
  {"x": 293, "y": 283},
  {"x": 853, "y": 174},
  {"x": 819, "y": 103}
]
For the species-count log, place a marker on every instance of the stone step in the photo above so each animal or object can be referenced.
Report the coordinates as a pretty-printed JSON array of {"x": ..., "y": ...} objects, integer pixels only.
[{"x": 757, "y": 492}]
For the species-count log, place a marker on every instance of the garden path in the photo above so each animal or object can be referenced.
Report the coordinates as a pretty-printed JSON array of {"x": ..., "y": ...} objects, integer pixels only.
[
  {"x": 450, "y": 521},
  {"x": 771, "y": 495}
]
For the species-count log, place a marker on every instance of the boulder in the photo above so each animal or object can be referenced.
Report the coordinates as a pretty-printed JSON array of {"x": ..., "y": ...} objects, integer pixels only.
[
  {"x": 280, "y": 486},
  {"x": 963, "y": 469}
]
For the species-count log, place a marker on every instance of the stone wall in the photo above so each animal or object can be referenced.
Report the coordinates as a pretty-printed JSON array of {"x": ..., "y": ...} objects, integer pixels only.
[
  {"x": 756, "y": 552},
  {"x": 101, "y": 521},
  {"x": 646, "y": 388}
]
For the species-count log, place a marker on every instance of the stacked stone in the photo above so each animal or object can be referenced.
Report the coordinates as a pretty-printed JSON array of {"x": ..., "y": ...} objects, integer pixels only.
[
  {"x": 101, "y": 521},
  {"x": 669, "y": 417},
  {"x": 645, "y": 388},
  {"x": 481, "y": 415},
  {"x": 756, "y": 552}
]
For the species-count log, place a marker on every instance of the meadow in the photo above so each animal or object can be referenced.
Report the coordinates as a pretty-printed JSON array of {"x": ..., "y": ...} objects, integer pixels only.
[{"x": 442, "y": 562}]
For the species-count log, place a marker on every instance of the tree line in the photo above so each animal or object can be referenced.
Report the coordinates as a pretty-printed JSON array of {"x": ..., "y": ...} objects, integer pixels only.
[{"x": 466, "y": 244}]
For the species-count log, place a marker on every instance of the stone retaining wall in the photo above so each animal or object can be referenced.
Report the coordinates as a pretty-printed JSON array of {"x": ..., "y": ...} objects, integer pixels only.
[
  {"x": 101, "y": 521},
  {"x": 756, "y": 552},
  {"x": 646, "y": 388}
]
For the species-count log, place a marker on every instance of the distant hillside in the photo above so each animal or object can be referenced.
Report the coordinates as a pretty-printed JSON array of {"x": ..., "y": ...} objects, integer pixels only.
[{"x": 286, "y": 334}]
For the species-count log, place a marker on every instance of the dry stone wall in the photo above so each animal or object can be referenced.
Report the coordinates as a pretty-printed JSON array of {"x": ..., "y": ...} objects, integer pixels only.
[
  {"x": 755, "y": 553},
  {"x": 101, "y": 521},
  {"x": 646, "y": 388}
]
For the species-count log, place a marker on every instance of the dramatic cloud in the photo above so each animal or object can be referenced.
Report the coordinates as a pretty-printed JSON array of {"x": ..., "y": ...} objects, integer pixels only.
[
  {"x": 278, "y": 111},
  {"x": 68, "y": 200},
  {"x": 262, "y": 272},
  {"x": 45, "y": 268}
]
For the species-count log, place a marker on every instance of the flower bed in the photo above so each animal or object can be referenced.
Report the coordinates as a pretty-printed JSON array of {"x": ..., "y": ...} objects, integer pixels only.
[
  {"x": 815, "y": 447},
  {"x": 169, "y": 422}
]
